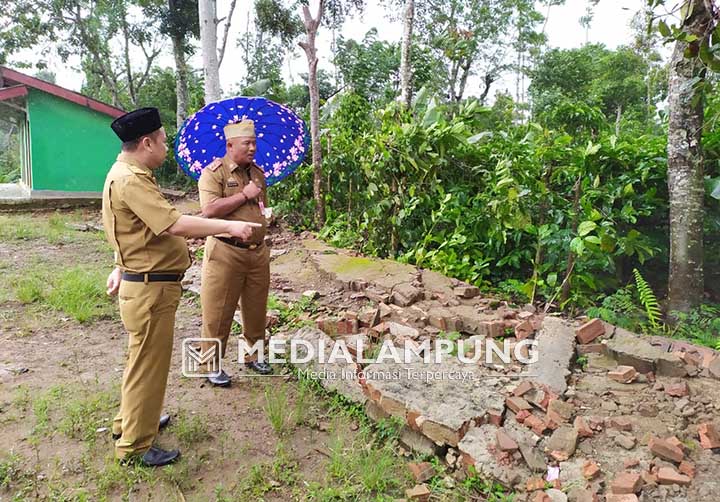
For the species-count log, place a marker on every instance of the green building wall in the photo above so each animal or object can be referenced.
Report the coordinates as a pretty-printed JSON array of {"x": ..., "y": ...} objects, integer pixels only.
[{"x": 72, "y": 146}]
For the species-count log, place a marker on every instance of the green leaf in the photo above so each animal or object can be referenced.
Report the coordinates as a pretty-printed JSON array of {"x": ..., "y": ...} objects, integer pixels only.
[
  {"x": 551, "y": 279},
  {"x": 474, "y": 139},
  {"x": 586, "y": 227},
  {"x": 664, "y": 29},
  {"x": 577, "y": 246},
  {"x": 706, "y": 55},
  {"x": 593, "y": 239},
  {"x": 712, "y": 186}
]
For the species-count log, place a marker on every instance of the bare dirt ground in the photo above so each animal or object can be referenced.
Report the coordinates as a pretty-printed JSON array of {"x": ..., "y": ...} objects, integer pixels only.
[{"x": 272, "y": 439}]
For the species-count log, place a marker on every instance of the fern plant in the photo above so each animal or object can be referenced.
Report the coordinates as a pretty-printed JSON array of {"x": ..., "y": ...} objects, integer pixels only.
[{"x": 648, "y": 300}]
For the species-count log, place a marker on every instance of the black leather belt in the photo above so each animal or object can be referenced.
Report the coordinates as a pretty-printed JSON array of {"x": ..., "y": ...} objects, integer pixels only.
[
  {"x": 243, "y": 245},
  {"x": 152, "y": 277}
]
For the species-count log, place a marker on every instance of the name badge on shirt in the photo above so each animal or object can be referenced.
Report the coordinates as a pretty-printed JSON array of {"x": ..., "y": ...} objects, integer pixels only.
[{"x": 232, "y": 183}]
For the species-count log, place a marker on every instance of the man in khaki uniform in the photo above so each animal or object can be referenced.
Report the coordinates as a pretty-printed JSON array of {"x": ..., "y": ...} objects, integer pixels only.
[
  {"x": 150, "y": 256},
  {"x": 234, "y": 188}
]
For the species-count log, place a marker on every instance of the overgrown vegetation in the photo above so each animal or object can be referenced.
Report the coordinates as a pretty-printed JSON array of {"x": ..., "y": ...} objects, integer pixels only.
[{"x": 78, "y": 292}]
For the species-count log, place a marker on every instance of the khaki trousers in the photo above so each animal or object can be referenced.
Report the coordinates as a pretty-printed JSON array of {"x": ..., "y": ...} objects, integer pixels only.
[
  {"x": 230, "y": 274},
  {"x": 148, "y": 314}
]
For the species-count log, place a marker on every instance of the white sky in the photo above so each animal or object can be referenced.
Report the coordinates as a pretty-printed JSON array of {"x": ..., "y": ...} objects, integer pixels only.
[{"x": 611, "y": 26}]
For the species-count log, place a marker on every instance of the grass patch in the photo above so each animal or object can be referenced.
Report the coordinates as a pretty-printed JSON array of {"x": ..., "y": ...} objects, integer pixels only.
[
  {"x": 190, "y": 429},
  {"x": 293, "y": 315},
  {"x": 82, "y": 415},
  {"x": 81, "y": 294},
  {"x": 77, "y": 292},
  {"x": 10, "y": 470},
  {"x": 53, "y": 227},
  {"x": 114, "y": 476},
  {"x": 269, "y": 476},
  {"x": 277, "y": 410},
  {"x": 369, "y": 467}
]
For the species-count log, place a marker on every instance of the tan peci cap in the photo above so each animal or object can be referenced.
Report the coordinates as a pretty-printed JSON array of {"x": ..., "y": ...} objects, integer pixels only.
[{"x": 245, "y": 127}]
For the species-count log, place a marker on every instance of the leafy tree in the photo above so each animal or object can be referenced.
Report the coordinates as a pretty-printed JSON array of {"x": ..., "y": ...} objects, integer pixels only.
[
  {"x": 476, "y": 37},
  {"x": 101, "y": 33},
  {"x": 612, "y": 82},
  {"x": 369, "y": 67}
]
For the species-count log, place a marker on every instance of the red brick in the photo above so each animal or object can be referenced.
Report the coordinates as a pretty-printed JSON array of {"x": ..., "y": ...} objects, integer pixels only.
[
  {"x": 378, "y": 330},
  {"x": 538, "y": 425},
  {"x": 687, "y": 468},
  {"x": 590, "y": 469},
  {"x": 582, "y": 427},
  {"x": 613, "y": 497},
  {"x": 619, "y": 423},
  {"x": 596, "y": 423},
  {"x": 524, "y": 330},
  {"x": 631, "y": 462},
  {"x": 560, "y": 411},
  {"x": 590, "y": 348},
  {"x": 560, "y": 456},
  {"x": 420, "y": 493},
  {"x": 422, "y": 472},
  {"x": 666, "y": 451},
  {"x": 590, "y": 331},
  {"x": 676, "y": 443},
  {"x": 521, "y": 416},
  {"x": 669, "y": 476},
  {"x": 649, "y": 478},
  {"x": 709, "y": 437},
  {"x": 626, "y": 483},
  {"x": 677, "y": 389},
  {"x": 412, "y": 419},
  {"x": 623, "y": 374},
  {"x": 534, "y": 484},
  {"x": 495, "y": 417},
  {"x": 516, "y": 404},
  {"x": 523, "y": 388},
  {"x": 505, "y": 442},
  {"x": 467, "y": 291}
]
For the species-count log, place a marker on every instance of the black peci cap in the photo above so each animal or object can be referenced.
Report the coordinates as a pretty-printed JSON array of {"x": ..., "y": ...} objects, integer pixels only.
[{"x": 136, "y": 124}]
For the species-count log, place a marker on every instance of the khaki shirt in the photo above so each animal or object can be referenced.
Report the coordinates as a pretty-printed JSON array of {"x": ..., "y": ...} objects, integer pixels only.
[
  {"x": 136, "y": 216},
  {"x": 224, "y": 178}
]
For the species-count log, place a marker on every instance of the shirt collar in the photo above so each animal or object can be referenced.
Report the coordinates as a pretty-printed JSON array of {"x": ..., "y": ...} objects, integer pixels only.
[
  {"x": 232, "y": 165},
  {"x": 124, "y": 157}
]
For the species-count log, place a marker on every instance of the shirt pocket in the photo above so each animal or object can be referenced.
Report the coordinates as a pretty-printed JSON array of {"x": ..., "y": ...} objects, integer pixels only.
[{"x": 232, "y": 187}]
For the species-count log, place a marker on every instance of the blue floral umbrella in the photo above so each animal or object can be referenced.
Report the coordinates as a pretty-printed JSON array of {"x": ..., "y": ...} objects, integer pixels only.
[{"x": 282, "y": 138}]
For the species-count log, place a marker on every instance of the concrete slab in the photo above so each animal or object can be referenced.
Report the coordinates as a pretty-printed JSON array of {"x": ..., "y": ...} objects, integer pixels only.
[{"x": 556, "y": 350}]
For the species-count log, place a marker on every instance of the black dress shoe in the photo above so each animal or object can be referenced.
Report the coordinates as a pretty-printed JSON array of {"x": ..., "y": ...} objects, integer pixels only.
[
  {"x": 220, "y": 380},
  {"x": 260, "y": 367},
  {"x": 164, "y": 421},
  {"x": 154, "y": 457}
]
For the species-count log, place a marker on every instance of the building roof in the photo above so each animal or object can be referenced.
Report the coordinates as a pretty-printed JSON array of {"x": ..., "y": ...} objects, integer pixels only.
[{"x": 14, "y": 84}]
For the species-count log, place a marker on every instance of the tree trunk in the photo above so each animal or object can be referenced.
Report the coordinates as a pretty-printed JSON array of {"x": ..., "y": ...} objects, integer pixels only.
[
  {"x": 488, "y": 80},
  {"x": 128, "y": 68},
  {"x": 405, "y": 53},
  {"x": 463, "y": 80},
  {"x": 181, "y": 79},
  {"x": 311, "y": 27},
  {"x": 685, "y": 169},
  {"x": 207, "y": 11},
  {"x": 567, "y": 281}
]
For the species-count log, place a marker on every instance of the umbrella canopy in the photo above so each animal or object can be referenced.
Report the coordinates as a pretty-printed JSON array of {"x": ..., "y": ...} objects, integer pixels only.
[{"x": 282, "y": 138}]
